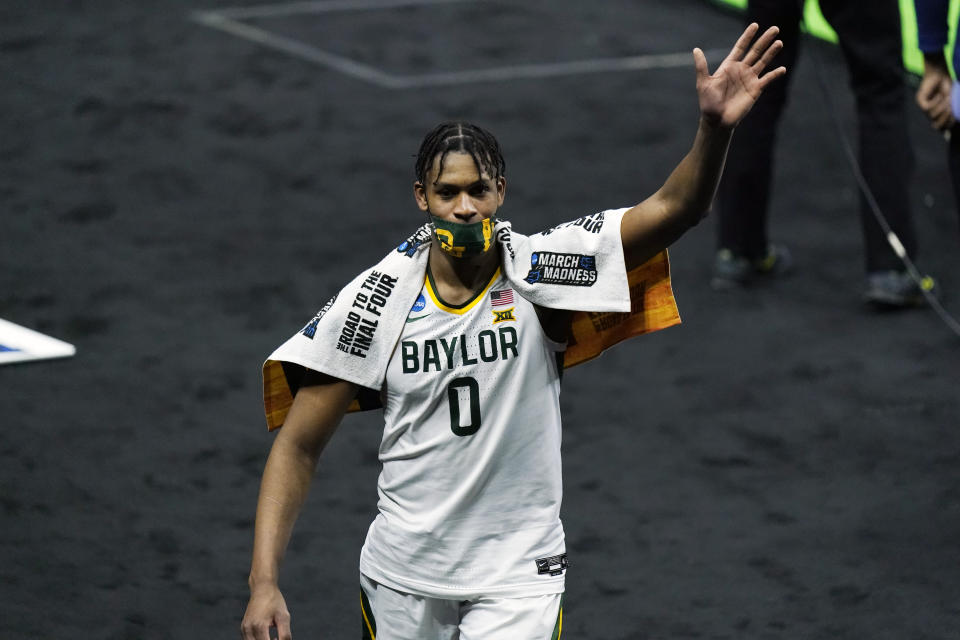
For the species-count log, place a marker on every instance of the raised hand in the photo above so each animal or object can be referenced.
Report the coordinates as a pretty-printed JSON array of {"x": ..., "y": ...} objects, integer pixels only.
[{"x": 729, "y": 94}]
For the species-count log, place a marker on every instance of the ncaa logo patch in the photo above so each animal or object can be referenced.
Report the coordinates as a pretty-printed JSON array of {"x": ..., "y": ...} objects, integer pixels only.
[{"x": 419, "y": 304}]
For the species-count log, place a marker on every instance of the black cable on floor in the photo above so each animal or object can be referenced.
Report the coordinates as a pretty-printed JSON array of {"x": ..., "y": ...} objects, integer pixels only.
[{"x": 924, "y": 283}]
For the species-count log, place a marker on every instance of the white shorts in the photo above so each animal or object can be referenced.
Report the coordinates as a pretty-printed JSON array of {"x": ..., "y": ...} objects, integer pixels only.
[{"x": 393, "y": 615}]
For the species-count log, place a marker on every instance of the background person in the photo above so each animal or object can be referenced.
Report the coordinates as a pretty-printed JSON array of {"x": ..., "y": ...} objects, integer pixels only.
[
  {"x": 938, "y": 94},
  {"x": 870, "y": 40}
]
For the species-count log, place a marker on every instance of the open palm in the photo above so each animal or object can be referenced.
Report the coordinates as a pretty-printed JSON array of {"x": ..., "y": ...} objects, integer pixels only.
[{"x": 729, "y": 94}]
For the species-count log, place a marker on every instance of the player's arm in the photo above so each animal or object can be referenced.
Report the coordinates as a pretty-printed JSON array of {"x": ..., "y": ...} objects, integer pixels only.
[
  {"x": 725, "y": 98},
  {"x": 317, "y": 409}
]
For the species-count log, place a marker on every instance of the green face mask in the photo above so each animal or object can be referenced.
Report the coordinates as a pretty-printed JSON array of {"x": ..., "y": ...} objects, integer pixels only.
[{"x": 464, "y": 239}]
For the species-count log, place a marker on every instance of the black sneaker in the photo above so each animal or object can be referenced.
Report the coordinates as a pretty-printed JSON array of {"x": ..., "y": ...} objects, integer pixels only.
[
  {"x": 731, "y": 271},
  {"x": 897, "y": 290}
]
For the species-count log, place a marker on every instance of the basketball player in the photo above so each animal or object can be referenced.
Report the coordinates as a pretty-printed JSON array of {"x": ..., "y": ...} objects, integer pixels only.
[{"x": 468, "y": 542}]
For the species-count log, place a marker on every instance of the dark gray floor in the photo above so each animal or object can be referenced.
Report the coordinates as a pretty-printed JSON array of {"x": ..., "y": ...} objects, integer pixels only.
[{"x": 176, "y": 202}]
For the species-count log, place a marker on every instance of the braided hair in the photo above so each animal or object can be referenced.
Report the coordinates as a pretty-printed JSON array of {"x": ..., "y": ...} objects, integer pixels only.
[{"x": 462, "y": 137}]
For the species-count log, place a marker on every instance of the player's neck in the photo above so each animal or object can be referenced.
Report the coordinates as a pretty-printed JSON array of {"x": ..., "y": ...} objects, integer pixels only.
[{"x": 459, "y": 279}]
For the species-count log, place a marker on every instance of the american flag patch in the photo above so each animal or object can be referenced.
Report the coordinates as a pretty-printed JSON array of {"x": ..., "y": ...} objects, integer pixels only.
[{"x": 501, "y": 298}]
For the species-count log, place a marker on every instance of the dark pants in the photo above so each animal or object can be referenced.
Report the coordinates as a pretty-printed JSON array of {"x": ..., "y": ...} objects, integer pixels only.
[
  {"x": 953, "y": 161},
  {"x": 870, "y": 40}
]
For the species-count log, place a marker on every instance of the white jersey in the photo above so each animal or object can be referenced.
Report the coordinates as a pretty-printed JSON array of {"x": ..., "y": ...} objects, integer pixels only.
[{"x": 470, "y": 491}]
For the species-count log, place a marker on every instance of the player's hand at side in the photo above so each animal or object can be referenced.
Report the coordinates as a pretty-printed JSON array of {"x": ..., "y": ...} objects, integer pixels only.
[
  {"x": 266, "y": 609},
  {"x": 730, "y": 92},
  {"x": 933, "y": 94}
]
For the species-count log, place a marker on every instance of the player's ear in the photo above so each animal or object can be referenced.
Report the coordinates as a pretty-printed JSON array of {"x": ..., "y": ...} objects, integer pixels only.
[
  {"x": 501, "y": 190},
  {"x": 420, "y": 195}
]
